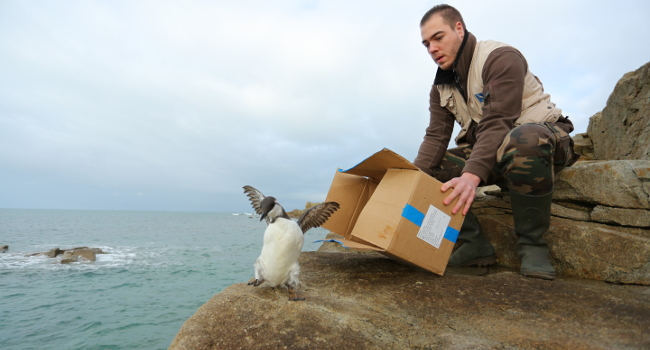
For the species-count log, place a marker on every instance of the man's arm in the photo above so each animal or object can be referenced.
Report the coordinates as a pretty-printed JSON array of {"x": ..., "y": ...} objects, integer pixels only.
[
  {"x": 437, "y": 135},
  {"x": 503, "y": 78}
]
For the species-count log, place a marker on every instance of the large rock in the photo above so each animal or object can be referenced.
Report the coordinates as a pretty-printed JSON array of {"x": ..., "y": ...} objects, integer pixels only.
[
  {"x": 622, "y": 129},
  {"x": 622, "y": 183},
  {"x": 582, "y": 144},
  {"x": 366, "y": 301},
  {"x": 579, "y": 248},
  {"x": 621, "y": 216},
  {"x": 599, "y": 222}
]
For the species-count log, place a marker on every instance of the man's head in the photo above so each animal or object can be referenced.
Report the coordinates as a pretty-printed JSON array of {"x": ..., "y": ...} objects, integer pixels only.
[{"x": 443, "y": 30}]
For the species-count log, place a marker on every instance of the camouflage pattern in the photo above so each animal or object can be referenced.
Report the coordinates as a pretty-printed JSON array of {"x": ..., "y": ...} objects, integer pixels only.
[
  {"x": 452, "y": 163},
  {"x": 527, "y": 159}
]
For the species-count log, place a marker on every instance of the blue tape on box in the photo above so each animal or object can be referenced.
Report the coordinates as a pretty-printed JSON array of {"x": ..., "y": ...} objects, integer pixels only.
[{"x": 415, "y": 216}]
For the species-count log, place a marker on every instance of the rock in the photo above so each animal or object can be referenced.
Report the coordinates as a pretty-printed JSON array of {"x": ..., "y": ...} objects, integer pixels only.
[
  {"x": 563, "y": 211},
  {"x": 72, "y": 255},
  {"x": 75, "y": 254},
  {"x": 578, "y": 248},
  {"x": 4, "y": 248},
  {"x": 69, "y": 257},
  {"x": 87, "y": 254},
  {"x": 53, "y": 253},
  {"x": 583, "y": 146},
  {"x": 94, "y": 250},
  {"x": 367, "y": 301},
  {"x": 607, "y": 182},
  {"x": 296, "y": 213},
  {"x": 621, "y": 216},
  {"x": 622, "y": 129}
]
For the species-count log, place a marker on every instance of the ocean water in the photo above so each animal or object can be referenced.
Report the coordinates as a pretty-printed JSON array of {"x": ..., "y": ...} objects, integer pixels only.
[{"x": 160, "y": 268}]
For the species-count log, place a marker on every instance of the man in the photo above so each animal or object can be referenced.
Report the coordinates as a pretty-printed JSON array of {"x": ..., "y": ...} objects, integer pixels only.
[{"x": 511, "y": 134}]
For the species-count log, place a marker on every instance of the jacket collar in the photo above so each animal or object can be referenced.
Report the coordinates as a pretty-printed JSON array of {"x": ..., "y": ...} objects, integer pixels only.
[{"x": 461, "y": 64}]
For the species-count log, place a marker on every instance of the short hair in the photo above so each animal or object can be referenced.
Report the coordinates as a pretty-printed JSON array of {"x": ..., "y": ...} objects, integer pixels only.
[{"x": 449, "y": 14}]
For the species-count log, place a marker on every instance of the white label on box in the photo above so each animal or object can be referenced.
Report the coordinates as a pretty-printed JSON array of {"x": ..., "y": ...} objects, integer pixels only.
[{"x": 433, "y": 227}]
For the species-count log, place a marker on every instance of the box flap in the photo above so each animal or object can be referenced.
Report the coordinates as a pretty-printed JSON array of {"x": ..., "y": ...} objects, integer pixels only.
[
  {"x": 352, "y": 193},
  {"x": 376, "y": 165},
  {"x": 382, "y": 213}
]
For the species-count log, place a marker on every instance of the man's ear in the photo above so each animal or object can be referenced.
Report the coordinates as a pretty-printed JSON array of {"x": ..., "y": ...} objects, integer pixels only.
[{"x": 460, "y": 30}]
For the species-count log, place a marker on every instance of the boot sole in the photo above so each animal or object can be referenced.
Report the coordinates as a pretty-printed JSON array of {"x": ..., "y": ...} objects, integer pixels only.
[
  {"x": 479, "y": 262},
  {"x": 540, "y": 275}
]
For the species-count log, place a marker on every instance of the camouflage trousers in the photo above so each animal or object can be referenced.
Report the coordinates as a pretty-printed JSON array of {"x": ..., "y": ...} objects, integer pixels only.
[{"x": 526, "y": 162}]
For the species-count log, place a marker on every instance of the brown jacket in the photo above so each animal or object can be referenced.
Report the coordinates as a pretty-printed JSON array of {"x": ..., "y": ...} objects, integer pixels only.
[{"x": 503, "y": 76}]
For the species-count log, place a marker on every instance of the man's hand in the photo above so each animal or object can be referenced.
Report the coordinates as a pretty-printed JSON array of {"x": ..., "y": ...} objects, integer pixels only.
[{"x": 464, "y": 188}]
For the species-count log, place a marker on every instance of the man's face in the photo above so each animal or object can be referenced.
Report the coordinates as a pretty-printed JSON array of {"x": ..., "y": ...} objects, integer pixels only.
[{"x": 441, "y": 40}]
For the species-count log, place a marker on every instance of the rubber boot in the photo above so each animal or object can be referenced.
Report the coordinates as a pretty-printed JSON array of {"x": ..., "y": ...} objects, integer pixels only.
[
  {"x": 532, "y": 216},
  {"x": 476, "y": 249}
]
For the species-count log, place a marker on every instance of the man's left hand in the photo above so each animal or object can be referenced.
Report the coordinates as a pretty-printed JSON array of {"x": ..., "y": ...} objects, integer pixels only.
[{"x": 464, "y": 188}]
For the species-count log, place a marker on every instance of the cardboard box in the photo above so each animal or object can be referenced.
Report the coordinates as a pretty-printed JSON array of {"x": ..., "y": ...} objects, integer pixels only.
[{"x": 389, "y": 205}]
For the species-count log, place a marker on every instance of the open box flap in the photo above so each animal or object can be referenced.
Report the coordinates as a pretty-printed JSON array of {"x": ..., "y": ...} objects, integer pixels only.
[
  {"x": 352, "y": 193},
  {"x": 376, "y": 165}
]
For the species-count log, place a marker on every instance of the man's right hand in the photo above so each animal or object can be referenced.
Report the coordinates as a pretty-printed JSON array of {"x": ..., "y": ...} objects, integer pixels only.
[{"x": 464, "y": 188}]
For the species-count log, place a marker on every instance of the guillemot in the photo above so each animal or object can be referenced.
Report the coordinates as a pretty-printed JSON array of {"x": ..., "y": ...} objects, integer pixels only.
[{"x": 283, "y": 239}]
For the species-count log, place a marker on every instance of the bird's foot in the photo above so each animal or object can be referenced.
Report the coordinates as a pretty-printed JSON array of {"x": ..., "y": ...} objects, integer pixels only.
[
  {"x": 293, "y": 295},
  {"x": 255, "y": 282}
]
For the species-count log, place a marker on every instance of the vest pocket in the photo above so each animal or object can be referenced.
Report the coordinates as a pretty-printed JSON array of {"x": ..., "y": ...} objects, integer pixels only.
[{"x": 447, "y": 101}]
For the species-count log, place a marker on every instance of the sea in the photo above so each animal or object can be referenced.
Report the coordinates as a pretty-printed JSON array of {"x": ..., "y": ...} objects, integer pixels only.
[{"x": 159, "y": 268}]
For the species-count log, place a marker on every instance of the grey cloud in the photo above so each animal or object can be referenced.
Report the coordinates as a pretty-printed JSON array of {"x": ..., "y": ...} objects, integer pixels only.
[{"x": 185, "y": 104}]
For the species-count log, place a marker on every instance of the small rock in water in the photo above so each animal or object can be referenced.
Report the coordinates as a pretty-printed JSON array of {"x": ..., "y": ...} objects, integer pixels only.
[
  {"x": 4, "y": 248},
  {"x": 69, "y": 257},
  {"x": 72, "y": 255},
  {"x": 53, "y": 253},
  {"x": 85, "y": 253}
]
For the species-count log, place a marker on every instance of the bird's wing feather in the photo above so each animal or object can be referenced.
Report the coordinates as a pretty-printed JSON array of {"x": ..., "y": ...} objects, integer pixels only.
[
  {"x": 255, "y": 196},
  {"x": 317, "y": 215}
]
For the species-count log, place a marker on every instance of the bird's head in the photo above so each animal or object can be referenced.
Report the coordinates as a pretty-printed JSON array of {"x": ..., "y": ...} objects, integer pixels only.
[{"x": 271, "y": 209}]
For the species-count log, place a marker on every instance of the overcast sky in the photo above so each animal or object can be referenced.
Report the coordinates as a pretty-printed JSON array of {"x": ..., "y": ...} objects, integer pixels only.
[{"x": 175, "y": 105}]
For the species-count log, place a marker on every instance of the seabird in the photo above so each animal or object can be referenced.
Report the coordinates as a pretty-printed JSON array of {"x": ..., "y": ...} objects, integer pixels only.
[{"x": 283, "y": 239}]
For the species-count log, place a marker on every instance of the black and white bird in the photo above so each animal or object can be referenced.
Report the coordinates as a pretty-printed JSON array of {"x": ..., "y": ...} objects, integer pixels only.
[{"x": 277, "y": 264}]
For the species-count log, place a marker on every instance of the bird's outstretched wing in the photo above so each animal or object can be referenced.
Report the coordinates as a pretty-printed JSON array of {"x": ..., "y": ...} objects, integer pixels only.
[
  {"x": 317, "y": 215},
  {"x": 255, "y": 197}
]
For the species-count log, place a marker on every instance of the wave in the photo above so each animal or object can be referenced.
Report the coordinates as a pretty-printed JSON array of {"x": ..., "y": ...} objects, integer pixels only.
[{"x": 114, "y": 257}]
